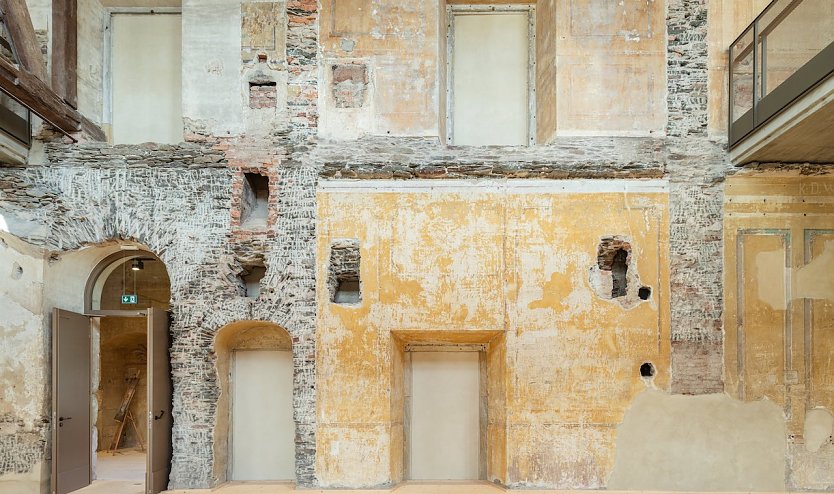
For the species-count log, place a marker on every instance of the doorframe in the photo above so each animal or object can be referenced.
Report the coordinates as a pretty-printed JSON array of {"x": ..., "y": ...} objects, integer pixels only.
[
  {"x": 492, "y": 9},
  {"x": 483, "y": 399}
]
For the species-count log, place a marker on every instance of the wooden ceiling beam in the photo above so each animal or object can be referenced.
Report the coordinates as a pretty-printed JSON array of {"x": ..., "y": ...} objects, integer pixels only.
[
  {"x": 27, "y": 48},
  {"x": 33, "y": 93},
  {"x": 65, "y": 50}
]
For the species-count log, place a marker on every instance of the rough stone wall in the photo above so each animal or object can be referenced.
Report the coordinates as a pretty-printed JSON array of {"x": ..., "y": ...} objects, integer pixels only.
[
  {"x": 696, "y": 167},
  {"x": 177, "y": 201}
]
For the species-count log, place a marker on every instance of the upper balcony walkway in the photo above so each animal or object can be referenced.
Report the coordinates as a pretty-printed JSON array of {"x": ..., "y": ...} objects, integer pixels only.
[{"x": 782, "y": 85}]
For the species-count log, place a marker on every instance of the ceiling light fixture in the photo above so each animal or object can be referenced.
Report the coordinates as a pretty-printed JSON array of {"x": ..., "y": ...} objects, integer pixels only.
[{"x": 137, "y": 265}]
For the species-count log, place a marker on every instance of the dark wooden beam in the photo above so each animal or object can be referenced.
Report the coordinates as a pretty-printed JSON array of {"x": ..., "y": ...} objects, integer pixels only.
[
  {"x": 65, "y": 50},
  {"x": 38, "y": 97},
  {"x": 23, "y": 37}
]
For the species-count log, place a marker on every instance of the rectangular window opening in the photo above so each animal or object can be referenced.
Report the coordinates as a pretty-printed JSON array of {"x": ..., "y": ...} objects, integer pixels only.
[
  {"x": 254, "y": 204},
  {"x": 343, "y": 278},
  {"x": 263, "y": 94},
  {"x": 252, "y": 280},
  {"x": 490, "y": 75}
]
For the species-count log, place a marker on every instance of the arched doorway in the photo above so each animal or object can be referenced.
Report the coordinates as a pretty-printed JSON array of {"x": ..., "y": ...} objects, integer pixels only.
[
  {"x": 255, "y": 431},
  {"x": 118, "y": 349}
]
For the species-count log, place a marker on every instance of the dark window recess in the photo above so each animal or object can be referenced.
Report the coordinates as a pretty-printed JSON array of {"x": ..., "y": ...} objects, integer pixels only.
[
  {"x": 254, "y": 203},
  {"x": 644, "y": 293},
  {"x": 252, "y": 280},
  {"x": 619, "y": 273},
  {"x": 343, "y": 278},
  {"x": 614, "y": 255},
  {"x": 647, "y": 370}
]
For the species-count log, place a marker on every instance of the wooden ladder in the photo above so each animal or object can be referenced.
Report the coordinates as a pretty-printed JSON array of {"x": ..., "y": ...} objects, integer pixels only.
[{"x": 123, "y": 414}]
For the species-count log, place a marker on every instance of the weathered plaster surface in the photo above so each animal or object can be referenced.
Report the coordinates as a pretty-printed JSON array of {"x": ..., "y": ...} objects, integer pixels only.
[
  {"x": 212, "y": 99},
  {"x": 778, "y": 236},
  {"x": 24, "y": 417},
  {"x": 459, "y": 260}
]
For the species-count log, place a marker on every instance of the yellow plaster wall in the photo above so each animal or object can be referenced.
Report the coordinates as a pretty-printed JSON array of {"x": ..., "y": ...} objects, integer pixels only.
[
  {"x": 500, "y": 266},
  {"x": 779, "y": 256},
  {"x": 400, "y": 43},
  {"x": 611, "y": 67},
  {"x": 601, "y": 66}
]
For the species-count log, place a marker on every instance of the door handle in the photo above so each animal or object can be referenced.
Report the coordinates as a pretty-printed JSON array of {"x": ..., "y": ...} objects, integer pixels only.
[
  {"x": 61, "y": 420},
  {"x": 161, "y": 413}
]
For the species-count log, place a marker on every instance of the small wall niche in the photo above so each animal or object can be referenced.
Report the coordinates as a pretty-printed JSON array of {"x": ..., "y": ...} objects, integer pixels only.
[
  {"x": 252, "y": 279},
  {"x": 254, "y": 203},
  {"x": 343, "y": 279}
]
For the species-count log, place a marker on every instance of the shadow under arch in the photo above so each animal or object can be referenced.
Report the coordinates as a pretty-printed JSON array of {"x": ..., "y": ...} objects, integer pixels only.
[{"x": 238, "y": 335}]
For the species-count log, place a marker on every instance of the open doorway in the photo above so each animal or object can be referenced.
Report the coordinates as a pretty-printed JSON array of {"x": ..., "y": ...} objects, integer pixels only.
[
  {"x": 121, "y": 398},
  {"x": 111, "y": 380}
]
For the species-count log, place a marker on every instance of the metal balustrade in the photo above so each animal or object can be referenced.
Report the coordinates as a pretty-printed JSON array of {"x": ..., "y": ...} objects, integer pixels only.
[{"x": 785, "y": 52}]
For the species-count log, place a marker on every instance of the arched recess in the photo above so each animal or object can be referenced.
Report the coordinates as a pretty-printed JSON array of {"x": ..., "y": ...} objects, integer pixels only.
[{"x": 236, "y": 337}]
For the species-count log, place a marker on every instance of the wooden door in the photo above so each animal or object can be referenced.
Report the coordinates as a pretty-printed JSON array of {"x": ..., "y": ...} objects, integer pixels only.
[
  {"x": 71, "y": 424},
  {"x": 159, "y": 402}
]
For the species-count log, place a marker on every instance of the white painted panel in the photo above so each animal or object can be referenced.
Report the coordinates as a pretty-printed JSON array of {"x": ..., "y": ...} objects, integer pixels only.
[
  {"x": 445, "y": 426},
  {"x": 489, "y": 72},
  {"x": 212, "y": 89},
  {"x": 147, "y": 78},
  {"x": 263, "y": 432}
]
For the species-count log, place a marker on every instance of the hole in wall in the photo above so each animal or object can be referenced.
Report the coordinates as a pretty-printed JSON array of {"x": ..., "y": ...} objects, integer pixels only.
[
  {"x": 17, "y": 271},
  {"x": 263, "y": 94},
  {"x": 644, "y": 293},
  {"x": 254, "y": 203},
  {"x": 619, "y": 273},
  {"x": 647, "y": 370},
  {"x": 343, "y": 277},
  {"x": 614, "y": 256}
]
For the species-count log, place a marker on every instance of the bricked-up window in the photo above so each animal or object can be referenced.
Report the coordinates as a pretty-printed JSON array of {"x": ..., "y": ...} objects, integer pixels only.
[
  {"x": 489, "y": 56},
  {"x": 263, "y": 94},
  {"x": 343, "y": 280},
  {"x": 254, "y": 203}
]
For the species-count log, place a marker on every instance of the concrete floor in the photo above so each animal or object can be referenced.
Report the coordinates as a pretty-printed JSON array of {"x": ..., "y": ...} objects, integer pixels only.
[
  {"x": 404, "y": 488},
  {"x": 119, "y": 473}
]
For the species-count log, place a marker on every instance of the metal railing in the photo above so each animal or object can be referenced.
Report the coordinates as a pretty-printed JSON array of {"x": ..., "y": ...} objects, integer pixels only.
[
  {"x": 15, "y": 119},
  {"x": 785, "y": 52}
]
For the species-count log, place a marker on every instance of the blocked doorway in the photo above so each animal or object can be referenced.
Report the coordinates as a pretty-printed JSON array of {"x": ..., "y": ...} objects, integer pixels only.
[
  {"x": 446, "y": 404},
  {"x": 263, "y": 432},
  {"x": 255, "y": 428}
]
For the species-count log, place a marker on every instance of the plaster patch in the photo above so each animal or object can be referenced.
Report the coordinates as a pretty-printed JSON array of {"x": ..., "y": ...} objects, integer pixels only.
[
  {"x": 814, "y": 280},
  {"x": 819, "y": 426},
  {"x": 770, "y": 291},
  {"x": 699, "y": 443}
]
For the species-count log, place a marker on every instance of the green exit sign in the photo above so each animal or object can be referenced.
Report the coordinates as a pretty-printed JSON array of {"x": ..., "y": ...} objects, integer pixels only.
[{"x": 129, "y": 299}]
